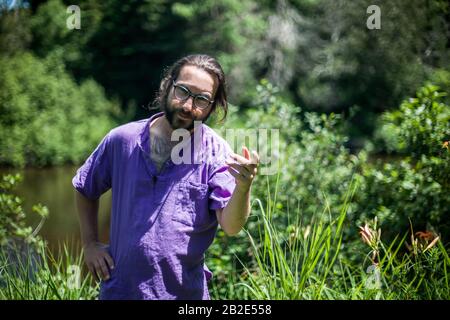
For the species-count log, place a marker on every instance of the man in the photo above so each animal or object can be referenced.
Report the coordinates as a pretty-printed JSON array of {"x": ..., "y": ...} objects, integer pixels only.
[{"x": 165, "y": 215}]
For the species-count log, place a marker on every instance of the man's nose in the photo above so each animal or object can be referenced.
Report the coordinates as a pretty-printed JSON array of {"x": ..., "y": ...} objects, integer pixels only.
[{"x": 187, "y": 104}]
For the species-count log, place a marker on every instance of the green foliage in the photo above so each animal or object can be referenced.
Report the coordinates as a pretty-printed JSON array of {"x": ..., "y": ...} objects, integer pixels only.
[
  {"x": 441, "y": 78},
  {"x": 310, "y": 153},
  {"x": 47, "y": 119},
  {"x": 15, "y": 34},
  {"x": 315, "y": 171},
  {"x": 316, "y": 53},
  {"x": 27, "y": 274},
  {"x": 420, "y": 126},
  {"x": 296, "y": 266},
  {"x": 308, "y": 265},
  {"x": 351, "y": 65},
  {"x": 28, "y": 269},
  {"x": 12, "y": 217},
  {"x": 319, "y": 53},
  {"x": 416, "y": 186},
  {"x": 312, "y": 170},
  {"x": 127, "y": 47},
  {"x": 49, "y": 27}
]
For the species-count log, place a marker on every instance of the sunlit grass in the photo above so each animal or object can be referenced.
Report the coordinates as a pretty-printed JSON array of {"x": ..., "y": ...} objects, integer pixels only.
[
  {"x": 34, "y": 273},
  {"x": 308, "y": 263}
]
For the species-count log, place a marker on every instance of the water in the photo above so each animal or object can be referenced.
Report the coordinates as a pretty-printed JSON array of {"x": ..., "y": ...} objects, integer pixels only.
[{"x": 53, "y": 188}]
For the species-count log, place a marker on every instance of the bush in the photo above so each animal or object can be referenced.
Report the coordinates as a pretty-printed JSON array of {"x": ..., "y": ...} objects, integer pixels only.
[
  {"x": 47, "y": 119},
  {"x": 419, "y": 127},
  {"x": 416, "y": 186}
]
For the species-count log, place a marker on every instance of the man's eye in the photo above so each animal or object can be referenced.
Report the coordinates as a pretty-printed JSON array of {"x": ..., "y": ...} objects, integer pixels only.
[
  {"x": 181, "y": 91},
  {"x": 203, "y": 99}
]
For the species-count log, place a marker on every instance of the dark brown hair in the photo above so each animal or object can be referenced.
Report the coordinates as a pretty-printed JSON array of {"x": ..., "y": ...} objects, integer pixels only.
[{"x": 202, "y": 61}]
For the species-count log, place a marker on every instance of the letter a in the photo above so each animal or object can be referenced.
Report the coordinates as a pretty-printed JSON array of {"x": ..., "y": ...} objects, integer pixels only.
[
  {"x": 374, "y": 20},
  {"x": 74, "y": 21}
]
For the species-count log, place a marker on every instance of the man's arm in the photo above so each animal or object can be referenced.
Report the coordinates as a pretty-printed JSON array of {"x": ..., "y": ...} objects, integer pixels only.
[
  {"x": 233, "y": 217},
  {"x": 95, "y": 255},
  {"x": 88, "y": 216}
]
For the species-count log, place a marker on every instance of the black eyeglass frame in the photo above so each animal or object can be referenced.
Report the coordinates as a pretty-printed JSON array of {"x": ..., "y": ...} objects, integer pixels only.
[{"x": 190, "y": 94}]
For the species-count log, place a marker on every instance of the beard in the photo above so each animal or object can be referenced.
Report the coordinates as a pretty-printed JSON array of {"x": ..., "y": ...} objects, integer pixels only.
[{"x": 172, "y": 115}]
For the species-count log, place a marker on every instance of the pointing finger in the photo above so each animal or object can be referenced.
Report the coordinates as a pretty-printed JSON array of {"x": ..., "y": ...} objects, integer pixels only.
[{"x": 246, "y": 152}]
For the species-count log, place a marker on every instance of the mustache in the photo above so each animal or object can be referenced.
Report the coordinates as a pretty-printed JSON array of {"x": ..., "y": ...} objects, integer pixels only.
[{"x": 185, "y": 115}]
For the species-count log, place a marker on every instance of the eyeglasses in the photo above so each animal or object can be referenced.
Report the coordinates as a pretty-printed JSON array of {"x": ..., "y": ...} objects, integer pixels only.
[{"x": 182, "y": 93}]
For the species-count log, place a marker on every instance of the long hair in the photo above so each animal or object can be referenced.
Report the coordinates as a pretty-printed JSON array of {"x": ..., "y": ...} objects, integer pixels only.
[{"x": 202, "y": 61}]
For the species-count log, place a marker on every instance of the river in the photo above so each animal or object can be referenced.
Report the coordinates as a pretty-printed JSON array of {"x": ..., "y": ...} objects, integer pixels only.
[{"x": 53, "y": 188}]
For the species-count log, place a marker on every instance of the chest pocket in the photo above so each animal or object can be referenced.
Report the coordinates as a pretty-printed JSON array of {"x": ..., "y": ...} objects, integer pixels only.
[{"x": 192, "y": 204}]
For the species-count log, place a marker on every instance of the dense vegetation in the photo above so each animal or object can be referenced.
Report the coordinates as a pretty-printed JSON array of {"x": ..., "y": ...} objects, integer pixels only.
[
  {"x": 358, "y": 206},
  {"x": 405, "y": 194}
]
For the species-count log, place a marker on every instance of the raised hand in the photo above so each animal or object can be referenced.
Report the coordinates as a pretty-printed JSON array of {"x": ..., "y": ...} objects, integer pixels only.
[{"x": 244, "y": 168}]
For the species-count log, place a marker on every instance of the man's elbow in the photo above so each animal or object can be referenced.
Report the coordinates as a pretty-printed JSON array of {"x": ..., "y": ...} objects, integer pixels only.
[
  {"x": 231, "y": 232},
  {"x": 230, "y": 227}
]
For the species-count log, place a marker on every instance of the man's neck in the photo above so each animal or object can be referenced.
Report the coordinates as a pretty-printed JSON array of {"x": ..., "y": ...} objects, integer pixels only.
[
  {"x": 162, "y": 127},
  {"x": 161, "y": 143}
]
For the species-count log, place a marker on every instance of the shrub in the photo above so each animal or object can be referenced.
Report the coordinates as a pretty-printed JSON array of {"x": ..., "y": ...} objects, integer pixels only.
[
  {"x": 47, "y": 119},
  {"x": 416, "y": 186}
]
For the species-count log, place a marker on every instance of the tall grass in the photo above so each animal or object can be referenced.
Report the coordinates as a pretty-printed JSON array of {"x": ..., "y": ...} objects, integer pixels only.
[
  {"x": 34, "y": 273},
  {"x": 309, "y": 262}
]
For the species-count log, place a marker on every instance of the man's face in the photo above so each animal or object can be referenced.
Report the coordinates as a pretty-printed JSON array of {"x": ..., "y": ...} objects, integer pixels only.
[{"x": 182, "y": 114}]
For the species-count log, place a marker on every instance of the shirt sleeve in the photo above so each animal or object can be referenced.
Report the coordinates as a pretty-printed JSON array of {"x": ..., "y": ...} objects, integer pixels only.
[
  {"x": 221, "y": 184},
  {"x": 93, "y": 178}
]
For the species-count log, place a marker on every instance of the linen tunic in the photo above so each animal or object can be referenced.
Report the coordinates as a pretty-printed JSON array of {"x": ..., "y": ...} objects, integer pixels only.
[{"x": 161, "y": 223}]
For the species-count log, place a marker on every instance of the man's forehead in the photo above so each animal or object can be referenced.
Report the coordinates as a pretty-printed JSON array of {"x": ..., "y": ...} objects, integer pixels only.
[{"x": 198, "y": 79}]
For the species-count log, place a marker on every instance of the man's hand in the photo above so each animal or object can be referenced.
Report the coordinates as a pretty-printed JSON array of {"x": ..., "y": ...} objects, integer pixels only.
[
  {"x": 244, "y": 168},
  {"x": 98, "y": 260}
]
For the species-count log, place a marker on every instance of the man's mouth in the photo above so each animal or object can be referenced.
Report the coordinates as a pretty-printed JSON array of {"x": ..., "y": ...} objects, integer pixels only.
[{"x": 184, "y": 117}]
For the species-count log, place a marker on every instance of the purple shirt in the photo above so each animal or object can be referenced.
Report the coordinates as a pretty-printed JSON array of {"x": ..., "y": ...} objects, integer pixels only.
[{"x": 161, "y": 223}]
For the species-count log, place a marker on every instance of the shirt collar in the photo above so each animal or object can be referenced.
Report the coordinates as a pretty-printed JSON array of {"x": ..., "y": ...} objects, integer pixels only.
[{"x": 144, "y": 138}]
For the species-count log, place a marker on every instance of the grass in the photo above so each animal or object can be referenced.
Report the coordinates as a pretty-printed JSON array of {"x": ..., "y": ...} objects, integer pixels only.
[
  {"x": 33, "y": 273},
  {"x": 308, "y": 262}
]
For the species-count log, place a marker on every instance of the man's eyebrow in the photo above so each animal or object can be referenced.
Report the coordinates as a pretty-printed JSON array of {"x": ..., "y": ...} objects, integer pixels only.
[{"x": 189, "y": 86}]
